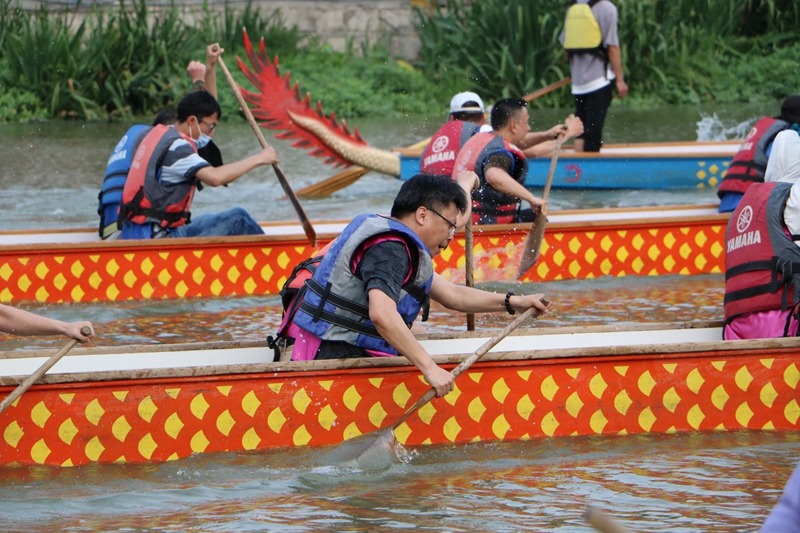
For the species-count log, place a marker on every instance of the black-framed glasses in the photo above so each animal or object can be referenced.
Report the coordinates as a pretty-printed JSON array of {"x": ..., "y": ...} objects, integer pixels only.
[
  {"x": 211, "y": 125},
  {"x": 453, "y": 227}
]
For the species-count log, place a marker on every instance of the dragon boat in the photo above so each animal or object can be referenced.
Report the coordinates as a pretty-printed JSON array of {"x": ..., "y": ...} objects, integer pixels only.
[
  {"x": 76, "y": 266},
  {"x": 140, "y": 404},
  {"x": 279, "y": 106},
  {"x": 676, "y": 165}
]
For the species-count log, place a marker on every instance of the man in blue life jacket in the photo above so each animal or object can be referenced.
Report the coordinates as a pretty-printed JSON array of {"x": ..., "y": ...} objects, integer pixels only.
[
  {"x": 203, "y": 78},
  {"x": 378, "y": 275},
  {"x": 166, "y": 171},
  {"x": 591, "y": 44}
]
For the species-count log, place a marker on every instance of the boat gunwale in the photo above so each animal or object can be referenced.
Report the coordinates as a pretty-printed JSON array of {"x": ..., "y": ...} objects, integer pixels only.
[
  {"x": 299, "y": 238},
  {"x": 310, "y": 369},
  {"x": 417, "y": 152}
]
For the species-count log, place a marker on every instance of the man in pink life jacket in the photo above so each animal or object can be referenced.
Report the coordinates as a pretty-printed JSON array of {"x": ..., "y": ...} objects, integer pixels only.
[
  {"x": 762, "y": 256},
  {"x": 376, "y": 278}
]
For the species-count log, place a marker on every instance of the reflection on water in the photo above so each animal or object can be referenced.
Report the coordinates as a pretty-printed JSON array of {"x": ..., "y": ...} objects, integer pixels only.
[
  {"x": 688, "y": 482},
  {"x": 575, "y": 303}
]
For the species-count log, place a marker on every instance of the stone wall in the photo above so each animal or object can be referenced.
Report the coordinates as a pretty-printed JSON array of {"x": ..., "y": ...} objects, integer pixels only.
[{"x": 332, "y": 21}]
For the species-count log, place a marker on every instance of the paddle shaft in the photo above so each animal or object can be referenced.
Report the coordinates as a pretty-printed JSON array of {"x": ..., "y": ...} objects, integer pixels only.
[
  {"x": 33, "y": 378},
  {"x": 552, "y": 171},
  {"x": 469, "y": 262},
  {"x": 469, "y": 361},
  {"x": 287, "y": 189},
  {"x": 544, "y": 90}
]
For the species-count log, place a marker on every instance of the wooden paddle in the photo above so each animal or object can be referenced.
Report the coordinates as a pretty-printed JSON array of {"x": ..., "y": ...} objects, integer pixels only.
[
  {"x": 33, "y": 378},
  {"x": 533, "y": 242},
  {"x": 469, "y": 263},
  {"x": 371, "y": 444},
  {"x": 353, "y": 174},
  {"x": 287, "y": 189},
  {"x": 602, "y": 522}
]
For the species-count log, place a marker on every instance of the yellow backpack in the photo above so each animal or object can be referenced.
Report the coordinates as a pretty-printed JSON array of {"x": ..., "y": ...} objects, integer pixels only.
[{"x": 581, "y": 31}]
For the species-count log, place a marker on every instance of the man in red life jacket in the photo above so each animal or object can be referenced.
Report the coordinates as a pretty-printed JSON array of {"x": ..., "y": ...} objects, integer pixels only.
[
  {"x": 467, "y": 117},
  {"x": 750, "y": 162},
  {"x": 501, "y": 167},
  {"x": 166, "y": 171},
  {"x": 378, "y": 275}
]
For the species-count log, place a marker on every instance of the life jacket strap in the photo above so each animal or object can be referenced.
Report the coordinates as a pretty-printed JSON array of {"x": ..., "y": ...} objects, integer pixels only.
[
  {"x": 347, "y": 323},
  {"x": 786, "y": 269},
  {"x": 134, "y": 209}
]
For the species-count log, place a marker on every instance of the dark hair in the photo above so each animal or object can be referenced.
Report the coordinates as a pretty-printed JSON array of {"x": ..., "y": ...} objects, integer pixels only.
[
  {"x": 430, "y": 191},
  {"x": 790, "y": 110},
  {"x": 200, "y": 104},
  {"x": 467, "y": 116},
  {"x": 504, "y": 110},
  {"x": 167, "y": 117}
]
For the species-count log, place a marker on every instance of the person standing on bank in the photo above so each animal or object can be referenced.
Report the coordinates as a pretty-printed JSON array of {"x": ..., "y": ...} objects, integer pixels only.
[
  {"x": 167, "y": 170},
  {"x": 591, "y": 44},
  {"x": 378, "y": 275}
]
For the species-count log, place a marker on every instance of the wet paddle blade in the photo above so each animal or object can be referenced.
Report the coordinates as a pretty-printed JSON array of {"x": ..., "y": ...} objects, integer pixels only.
[
  {"x": 334, "y": 183},
  {"x": 372, "y": 451},
  {"x": 532, "y": 246}
]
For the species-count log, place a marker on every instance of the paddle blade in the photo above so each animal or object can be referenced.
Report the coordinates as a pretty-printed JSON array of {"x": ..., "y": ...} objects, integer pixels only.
[
  {"x": 334, "y": 183},
  {"x": 532, "y": 246},
  {"x": 373, "y": 451}
]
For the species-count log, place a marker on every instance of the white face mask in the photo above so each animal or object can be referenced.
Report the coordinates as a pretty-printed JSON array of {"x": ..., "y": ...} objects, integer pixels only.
[{"x": 202, "y": 141}]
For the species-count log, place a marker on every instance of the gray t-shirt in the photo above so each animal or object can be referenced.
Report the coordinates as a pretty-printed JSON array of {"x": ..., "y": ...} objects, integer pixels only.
[{"x": 589, "y": 72}]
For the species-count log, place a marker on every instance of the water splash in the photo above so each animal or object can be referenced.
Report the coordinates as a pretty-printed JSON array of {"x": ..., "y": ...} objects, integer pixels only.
[{"x": 712, "y": 128}]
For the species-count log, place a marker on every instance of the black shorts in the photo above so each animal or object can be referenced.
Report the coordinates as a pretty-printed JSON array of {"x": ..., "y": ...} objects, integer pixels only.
[{"x": 591, "y": 108}]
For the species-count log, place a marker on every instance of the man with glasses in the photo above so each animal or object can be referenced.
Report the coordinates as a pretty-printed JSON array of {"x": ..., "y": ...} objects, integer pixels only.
[
  {"x": 167, "y": 170},
  {"x": 502, "y": 167},
  {"x": 377, "y": 276}
]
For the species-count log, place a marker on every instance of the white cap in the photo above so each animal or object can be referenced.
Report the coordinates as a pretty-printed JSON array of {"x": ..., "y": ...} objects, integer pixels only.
[{"x": 458, "y": 101}]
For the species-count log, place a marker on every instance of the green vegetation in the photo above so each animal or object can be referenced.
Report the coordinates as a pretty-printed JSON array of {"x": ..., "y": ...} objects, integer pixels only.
[
  {"x": 116, "y": 64},
  {"x": 130, "y": 61},
  {"x": 674, "y": 51}
]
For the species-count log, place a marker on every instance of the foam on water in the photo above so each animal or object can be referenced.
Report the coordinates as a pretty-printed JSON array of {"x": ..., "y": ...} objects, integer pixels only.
[{"x": 712, "y": 128}]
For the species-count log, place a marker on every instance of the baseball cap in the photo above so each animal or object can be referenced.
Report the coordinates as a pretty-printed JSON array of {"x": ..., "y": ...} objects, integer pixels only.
[{"x": 458, "y": 101}]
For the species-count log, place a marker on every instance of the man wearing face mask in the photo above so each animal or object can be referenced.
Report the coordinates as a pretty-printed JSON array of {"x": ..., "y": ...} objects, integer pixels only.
[{"x": 166, "y": 171}]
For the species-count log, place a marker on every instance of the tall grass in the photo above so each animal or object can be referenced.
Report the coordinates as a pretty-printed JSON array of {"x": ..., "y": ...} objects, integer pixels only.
[
  {"x": 125, "y": 62},
  {"x": 672, "y": 49}
]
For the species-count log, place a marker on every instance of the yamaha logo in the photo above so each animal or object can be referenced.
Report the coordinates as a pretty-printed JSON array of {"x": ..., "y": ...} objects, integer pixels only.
[
  {"x": 751, "y": 134},
  {"x": 440, "y": 144},
  {"x": 744, "y": 220},
  {"x": 121, "y": 143}
]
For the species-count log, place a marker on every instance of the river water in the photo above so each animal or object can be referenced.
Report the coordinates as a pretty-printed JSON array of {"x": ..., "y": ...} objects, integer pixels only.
[{"x": 50, "y": 177}]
